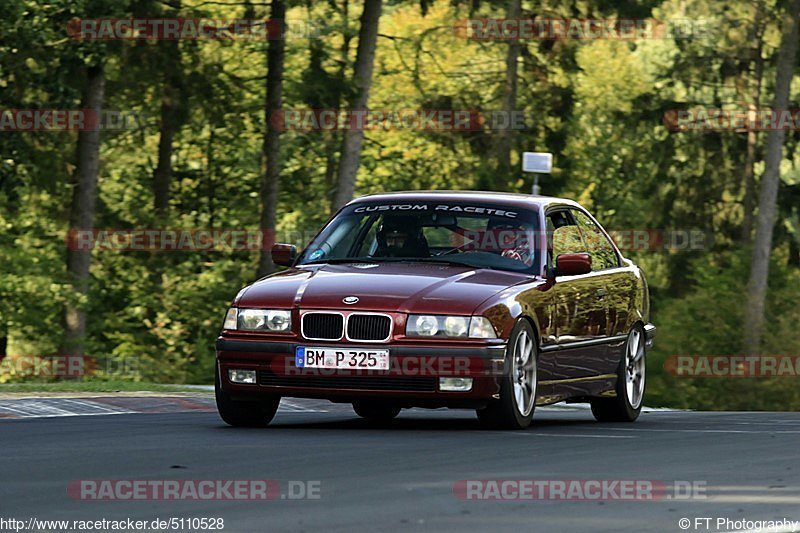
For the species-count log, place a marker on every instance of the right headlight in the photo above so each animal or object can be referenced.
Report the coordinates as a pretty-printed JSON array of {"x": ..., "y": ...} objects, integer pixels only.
[
  {"x": 480, "y": 327},
  {"x": 274, "y": 320},
  {"x": 449, "y": 326}
]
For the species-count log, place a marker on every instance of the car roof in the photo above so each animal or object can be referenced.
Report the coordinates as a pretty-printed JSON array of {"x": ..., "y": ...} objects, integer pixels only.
[{"x": 507, "y": 198}]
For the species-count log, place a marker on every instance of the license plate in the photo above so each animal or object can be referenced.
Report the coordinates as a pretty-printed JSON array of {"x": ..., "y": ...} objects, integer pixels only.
[{"x": 341, "y": 358}]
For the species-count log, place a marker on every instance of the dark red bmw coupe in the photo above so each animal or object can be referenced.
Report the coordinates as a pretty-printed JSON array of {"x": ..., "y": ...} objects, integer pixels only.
[{"x": 480, "y": 300}]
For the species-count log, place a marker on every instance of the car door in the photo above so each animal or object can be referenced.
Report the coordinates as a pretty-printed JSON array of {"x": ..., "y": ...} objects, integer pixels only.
[
  {"x": 578, "y": 307},
  {"x": 614, "y": 283}
]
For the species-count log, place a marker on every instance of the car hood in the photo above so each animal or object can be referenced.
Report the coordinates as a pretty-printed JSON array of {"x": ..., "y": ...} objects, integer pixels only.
[{"x": 402, "y": 287}]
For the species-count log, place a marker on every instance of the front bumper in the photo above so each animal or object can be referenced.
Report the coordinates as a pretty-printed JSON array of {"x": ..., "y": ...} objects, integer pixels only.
[{"x": 412, "y": 380}]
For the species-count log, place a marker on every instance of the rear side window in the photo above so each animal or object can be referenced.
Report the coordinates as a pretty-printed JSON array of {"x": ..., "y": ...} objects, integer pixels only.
[{"x": 597, "y": 244}]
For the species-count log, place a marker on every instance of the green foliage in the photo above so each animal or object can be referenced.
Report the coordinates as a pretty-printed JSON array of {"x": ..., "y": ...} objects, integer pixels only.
[
  {"x": 708, "y": 322},
  {"x": 597, "y": 105}
]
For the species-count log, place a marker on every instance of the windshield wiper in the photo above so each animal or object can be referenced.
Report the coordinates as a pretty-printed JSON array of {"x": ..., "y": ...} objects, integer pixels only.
[{"x": 333, "y": 260}]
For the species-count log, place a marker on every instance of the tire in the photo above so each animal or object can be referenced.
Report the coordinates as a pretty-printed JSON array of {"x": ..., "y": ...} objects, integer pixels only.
[
  {"x": 627, "y": 405},
  {"x": 244, "y": 414},
  {"x": 514, "y": 409},
  {"x": 380, "y": 413}
]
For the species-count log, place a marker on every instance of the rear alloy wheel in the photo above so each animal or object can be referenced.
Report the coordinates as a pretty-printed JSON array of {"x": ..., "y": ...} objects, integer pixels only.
[
  {"x": 627, "y": 405},
  {"x": 514, "y": 409},
  {"x": 376, "y": 412},
  {"x": 244, "y": 414}
]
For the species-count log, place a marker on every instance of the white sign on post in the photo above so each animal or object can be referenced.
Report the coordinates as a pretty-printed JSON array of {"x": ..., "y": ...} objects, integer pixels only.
[{"x": 537, "y": 162}]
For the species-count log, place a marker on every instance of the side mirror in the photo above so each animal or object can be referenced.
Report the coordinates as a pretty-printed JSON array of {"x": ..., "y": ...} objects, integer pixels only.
[
  {"x": 284, "y": 254},
  {"x": 573, "y": 264}
]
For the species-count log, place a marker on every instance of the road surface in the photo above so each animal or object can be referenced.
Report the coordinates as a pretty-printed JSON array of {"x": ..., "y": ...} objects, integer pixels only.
[{"x": 410, "y": 475}]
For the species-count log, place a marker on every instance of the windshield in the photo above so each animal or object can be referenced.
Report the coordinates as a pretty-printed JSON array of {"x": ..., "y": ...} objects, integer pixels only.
[{"x": 474, "y": 234}]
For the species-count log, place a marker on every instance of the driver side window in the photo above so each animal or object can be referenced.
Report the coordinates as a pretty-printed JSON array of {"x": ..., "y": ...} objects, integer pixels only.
[
  {"x": 563, "y": 236},
  {"x": 598, "y": 245}
]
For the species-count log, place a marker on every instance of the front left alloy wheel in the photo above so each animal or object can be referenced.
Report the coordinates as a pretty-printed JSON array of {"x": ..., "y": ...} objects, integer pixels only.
[{"x": 514, "y": 409}]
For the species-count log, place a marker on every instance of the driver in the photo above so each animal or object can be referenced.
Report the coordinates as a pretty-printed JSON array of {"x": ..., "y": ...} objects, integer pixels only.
[
  {"x": 401, "y": 236},
  {"x": 514, "y": 242}
]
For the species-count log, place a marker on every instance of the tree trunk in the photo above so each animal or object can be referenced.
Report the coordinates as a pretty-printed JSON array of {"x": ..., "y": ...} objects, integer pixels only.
[
  {"x": 504, "y": 135},
  {"x": 749, "y": 200},
  {"x": 82, "y": 211},
  {"x": 170, "y": 122},
  {"x": 3, "y": 340},
  {"x": 332, "y": 140},
  {"x": 171, "y": 119},
  {"x": 353, "y": 137},
  {"x": 271, "y": 150},
  {"x": 767, "y": 205}
]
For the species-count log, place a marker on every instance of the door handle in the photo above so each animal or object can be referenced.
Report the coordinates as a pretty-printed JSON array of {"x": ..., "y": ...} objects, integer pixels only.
[{"x": 601, "y": 293}]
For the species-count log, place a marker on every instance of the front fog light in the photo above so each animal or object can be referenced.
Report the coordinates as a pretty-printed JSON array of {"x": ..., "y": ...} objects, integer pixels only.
[
  {"x": 238, "y": 375},
  {"x": 455, "y": 384}
]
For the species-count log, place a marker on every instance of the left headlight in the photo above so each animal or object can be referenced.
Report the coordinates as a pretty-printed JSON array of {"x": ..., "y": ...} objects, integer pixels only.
[
  {"x": 276, "y": 320},
  {"x": 449, "y": 326}
]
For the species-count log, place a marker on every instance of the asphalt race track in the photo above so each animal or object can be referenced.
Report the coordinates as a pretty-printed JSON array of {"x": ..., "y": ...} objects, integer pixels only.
[{"x": 398, "y": 477}]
